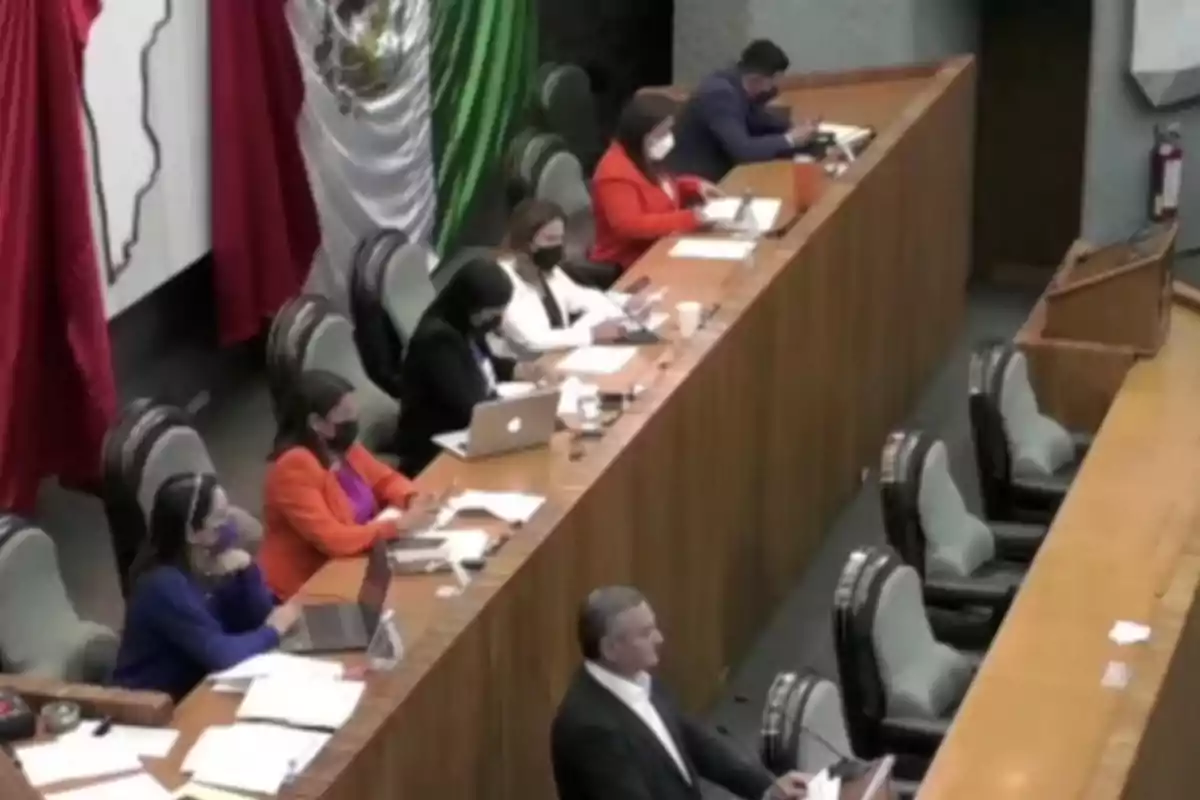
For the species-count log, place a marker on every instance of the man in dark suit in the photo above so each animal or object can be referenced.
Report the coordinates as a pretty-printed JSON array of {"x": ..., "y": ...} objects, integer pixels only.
[
  {"x": 726, "y": 121},
  {"x": 619, "y": 736}
]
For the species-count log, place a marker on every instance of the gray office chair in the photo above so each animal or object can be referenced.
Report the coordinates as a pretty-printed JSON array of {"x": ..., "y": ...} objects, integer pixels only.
[
  {"x": 900, "y": 685},
  {"x": 1026, "y": 460},
  {"x": 804, "y": 729},
  {"x": 40, "y": 632},
  {"x": 379, "y": 343},
  {"x": 968, "y": 567},
  {"x": 288, "y": 334},
  {"x": 567, "y": 106},
  {"x": 177, "y": 448},
  {"x": 330, "y": 346},
  {"x": 407, "y": 288}
]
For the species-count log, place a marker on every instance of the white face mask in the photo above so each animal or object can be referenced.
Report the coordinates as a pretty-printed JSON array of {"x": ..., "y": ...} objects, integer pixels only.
[{"x": 661, "y": 148}]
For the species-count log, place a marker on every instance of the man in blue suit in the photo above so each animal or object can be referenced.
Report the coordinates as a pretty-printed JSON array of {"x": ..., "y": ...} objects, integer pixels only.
[{"x": 726, "y": 121}]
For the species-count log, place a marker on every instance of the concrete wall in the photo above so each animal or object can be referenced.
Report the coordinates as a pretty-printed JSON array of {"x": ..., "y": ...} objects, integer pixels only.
[
  {"x": 823, "y": 35},
  {"x": 1120, "y": 132}
]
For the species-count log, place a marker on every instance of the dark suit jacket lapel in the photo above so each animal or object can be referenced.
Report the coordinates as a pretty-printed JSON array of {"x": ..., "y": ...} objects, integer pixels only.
[
  {"x": 670, "y": 716},
  {"x": 632, "y": 723}
]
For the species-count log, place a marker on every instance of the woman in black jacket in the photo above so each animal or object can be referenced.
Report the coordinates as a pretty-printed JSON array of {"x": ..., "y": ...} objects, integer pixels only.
[{"x": 448, "y": 366}]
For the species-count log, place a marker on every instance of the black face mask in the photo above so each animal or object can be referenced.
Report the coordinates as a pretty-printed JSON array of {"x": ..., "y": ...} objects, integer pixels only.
[
  {"x": 344, "y": 436},
  {"x": 547, "y": 258}
]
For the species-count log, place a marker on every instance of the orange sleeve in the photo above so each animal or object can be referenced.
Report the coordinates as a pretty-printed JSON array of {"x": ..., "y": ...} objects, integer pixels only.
[
  {"x": 295, "y": 490},
  {"x": 391, "y": 488},
  {"x": 620, "y": 202}
]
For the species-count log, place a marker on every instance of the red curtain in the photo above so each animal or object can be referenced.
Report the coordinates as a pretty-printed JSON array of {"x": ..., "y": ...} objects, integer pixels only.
[
  {"x": 264, "y": 220},
  {"x": 56, "y": 385}
]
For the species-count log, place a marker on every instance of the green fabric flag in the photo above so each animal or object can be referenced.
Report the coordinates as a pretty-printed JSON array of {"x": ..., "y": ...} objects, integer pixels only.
[{"x": 484, "y": 56}]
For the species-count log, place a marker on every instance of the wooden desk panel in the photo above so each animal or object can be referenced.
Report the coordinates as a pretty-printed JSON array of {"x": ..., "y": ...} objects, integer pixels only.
[
  {"x": 711, "y": 492},
  {"x": 1038, "y": 722}
]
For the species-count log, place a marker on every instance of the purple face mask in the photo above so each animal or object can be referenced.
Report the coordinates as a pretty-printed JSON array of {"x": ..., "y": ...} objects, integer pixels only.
[{"x": 226, "y": 538}]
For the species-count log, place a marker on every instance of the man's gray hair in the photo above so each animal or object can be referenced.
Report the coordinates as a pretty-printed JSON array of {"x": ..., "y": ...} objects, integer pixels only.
[{"x": 602, "y": 606}]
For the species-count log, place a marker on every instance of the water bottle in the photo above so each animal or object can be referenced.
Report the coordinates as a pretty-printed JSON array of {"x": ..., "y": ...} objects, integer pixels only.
[{"x": 386, "y": 649}]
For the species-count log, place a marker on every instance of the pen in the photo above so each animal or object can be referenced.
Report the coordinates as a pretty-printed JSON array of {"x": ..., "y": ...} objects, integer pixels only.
[{"x": 104, "y": 727}]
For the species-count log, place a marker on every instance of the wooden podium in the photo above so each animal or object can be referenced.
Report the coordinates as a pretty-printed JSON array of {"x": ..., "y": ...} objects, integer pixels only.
[
  {"x": 1117, "y": 295},
  {"x": 1105, "y": 308}
]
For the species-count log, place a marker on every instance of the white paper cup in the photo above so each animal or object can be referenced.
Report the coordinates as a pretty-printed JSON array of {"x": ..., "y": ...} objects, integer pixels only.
[{"x": 687, "y": 316}]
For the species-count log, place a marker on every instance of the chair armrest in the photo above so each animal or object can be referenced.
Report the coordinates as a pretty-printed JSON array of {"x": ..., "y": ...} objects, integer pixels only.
[
  {"x": 966, "y": 592},
  {"x": 912, "y": 735},
  {"x": 1038, "y": 500},
  {"x": 905, "y": 790},
  {"x": 1016, "y": 541},
  {"x": 1083, "y": 443},
  {"x": 123, "y": 706}
]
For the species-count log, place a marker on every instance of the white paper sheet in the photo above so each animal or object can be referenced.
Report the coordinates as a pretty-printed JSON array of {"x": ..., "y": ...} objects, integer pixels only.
[
  {"x": 1126, "y": 632},
  {"x": 763, "y": 211},
  {"x": 71, "y": 759},
  {"x": 251, "y": 757},
  {"x": 597, "y": 360},
  {"x": 823, "y": 786},
  {"x": 848, "y": 135},
  {"x": 512, "y": 507},
  {"x": 461, "y": 544},
  {"x": 146, "y": 742},
  {"x": 717, "y": 249},
  {"x": 305, "y": 703},
  {"x": 507, "y": 390},
  {"x": 136, "y": 787},
  {"x": 276, "y": 664}
]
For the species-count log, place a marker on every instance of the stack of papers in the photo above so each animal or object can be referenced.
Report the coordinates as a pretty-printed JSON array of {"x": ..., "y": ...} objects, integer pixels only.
[
  {"x": 305, "y": 703},
  {"x": 250, "y": 757},
  {"x": 274, "y": 665},
  {"x": 144, "y": 742},
  {"x": 512, "y": 507},
  {"x": 761, "y": 212},
  {"x": 847, "y": 135},
  {"x": 719, "y": 249},
  {"x": 136, "y": 787},
  {"x": 460, "y": 545},
  {"x": 597, "y": 360},
  {"x": 76, "y": 758}
]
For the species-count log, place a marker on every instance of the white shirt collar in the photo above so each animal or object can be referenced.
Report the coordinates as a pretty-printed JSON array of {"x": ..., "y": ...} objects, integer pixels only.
[{"x": 630, "y": 690}]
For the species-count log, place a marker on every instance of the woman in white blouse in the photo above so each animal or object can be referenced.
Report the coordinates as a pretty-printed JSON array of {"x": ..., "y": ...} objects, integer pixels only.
[{"x": 549, "y": 310}]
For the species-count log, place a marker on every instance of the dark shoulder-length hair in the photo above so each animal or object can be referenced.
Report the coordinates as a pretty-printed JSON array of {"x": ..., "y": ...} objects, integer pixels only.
[
  {"x": 642, "y": 114},
  {"x": 528, "y": 218},
  {"x": 316, "y": 391},
  {"x": 181, "y": 505}
]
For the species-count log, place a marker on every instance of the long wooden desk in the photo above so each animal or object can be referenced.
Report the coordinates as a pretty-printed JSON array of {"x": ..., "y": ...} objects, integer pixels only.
[
  {"x": 1041, "y": 720},
  {"x": 711, "y": 492}
]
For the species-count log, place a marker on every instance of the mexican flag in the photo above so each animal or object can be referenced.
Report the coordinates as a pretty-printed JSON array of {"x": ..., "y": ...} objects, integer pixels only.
[{"x": 333, "y": 118}]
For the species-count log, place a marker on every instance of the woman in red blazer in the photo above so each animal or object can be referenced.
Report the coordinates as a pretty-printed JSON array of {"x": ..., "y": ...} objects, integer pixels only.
[{"x": 636, "y": 201}]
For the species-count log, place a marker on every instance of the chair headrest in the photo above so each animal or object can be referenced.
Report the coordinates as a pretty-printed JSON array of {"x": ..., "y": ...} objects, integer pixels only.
[
  {"x": 802, "y": 724},
  {"x": 10, "y": 526},
  {"x": 171, "y": 450},
  {"x": 901, "y": 470},
  {"x": 559, "y": 179},
  {"x": 407, "y": 288}
]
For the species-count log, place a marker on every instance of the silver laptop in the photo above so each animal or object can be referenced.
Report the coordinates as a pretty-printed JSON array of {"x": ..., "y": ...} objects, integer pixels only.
[{"x": 504, "y": 425}]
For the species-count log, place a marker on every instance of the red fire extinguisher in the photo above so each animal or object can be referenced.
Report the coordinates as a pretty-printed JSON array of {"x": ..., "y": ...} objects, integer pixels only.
[{"x": 1166, "y": 172}]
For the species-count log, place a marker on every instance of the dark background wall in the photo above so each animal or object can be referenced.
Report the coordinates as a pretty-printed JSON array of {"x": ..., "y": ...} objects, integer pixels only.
[{"x": 624, "y": 44}]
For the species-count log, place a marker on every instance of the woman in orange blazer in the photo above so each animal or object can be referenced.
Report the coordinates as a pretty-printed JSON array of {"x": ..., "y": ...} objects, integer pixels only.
[
  {"x": 324, "y": 490},
  {"x": 635, "y": 200}
]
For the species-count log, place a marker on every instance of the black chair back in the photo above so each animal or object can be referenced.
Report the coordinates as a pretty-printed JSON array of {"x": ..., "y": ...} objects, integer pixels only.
[
  {"x": 567, "y": 106},
  {"x": 993, "y": 458},
  {"x": 855, "y": 605},
  {"x": 901, "y": 466},
  {"x": 127, "y": 447},
  {"x": 378, "y": 342},
  {"x": 286, "y": 340}
]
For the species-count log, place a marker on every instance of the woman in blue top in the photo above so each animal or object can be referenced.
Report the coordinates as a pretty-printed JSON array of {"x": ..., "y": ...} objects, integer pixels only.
[{"x": 199, "y": 603}]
